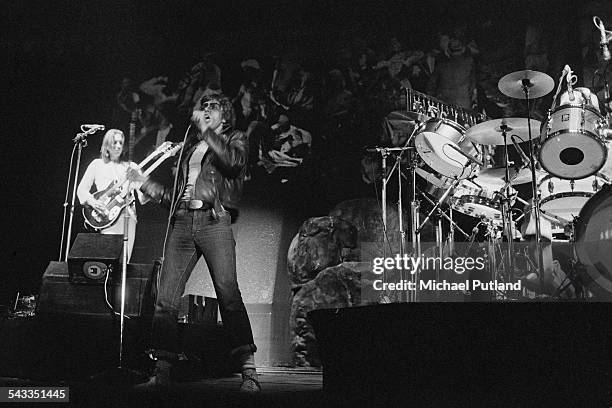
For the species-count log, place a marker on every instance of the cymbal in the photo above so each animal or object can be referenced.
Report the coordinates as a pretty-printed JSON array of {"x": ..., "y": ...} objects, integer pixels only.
[
  {"x": 521, "y": 176},
  {"x": 407, "y": 116},
  {"x": 490, "y": 132},
  {"x": 538, "y": 84}
]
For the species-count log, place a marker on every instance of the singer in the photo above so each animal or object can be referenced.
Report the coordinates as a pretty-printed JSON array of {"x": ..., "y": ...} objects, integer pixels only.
[
  {"x": 210, "y": 180},
  {"x": 110, "y": 168}
]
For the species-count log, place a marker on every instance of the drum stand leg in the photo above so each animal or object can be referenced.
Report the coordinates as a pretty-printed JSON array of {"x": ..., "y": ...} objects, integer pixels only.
[
  {"x": 437, "y": 205},
  {"x": 416, "y": 237},
  {"x": 402, "y": 233},
  {"x": 439, "y": 250},
  {"x": 491, "y": 250},
  {"x": 384, "y": 153},
  {"x": 453, "y": 225}
]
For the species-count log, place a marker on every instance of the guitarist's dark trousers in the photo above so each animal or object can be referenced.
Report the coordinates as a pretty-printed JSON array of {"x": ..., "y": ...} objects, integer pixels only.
[{"x": 195, "y": 233}]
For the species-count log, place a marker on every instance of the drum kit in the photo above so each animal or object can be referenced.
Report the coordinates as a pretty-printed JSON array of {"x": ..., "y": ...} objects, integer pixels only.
[{"x": 561, "y": 159}]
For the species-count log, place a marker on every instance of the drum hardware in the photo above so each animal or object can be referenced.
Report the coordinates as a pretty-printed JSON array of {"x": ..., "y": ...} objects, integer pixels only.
[
  {"x": 593, "y": 234},
  {"x": 437, "y": 205},
  {"x": 438, "y": 228},
  {"x": 536, "y": 83},
  {"x": 518, "y": 175},
  {"x": 562, "y": 200},
  {"x": 467, "y": 155},
  {"x": 506, "y": 206},
  {"x": 528, "y": 85},
  {"x": 573, "y": 144},
  {"x": 482, "y": 201},
  {"x": 449, "y": 218},
  {"x": 438, "y": 142},
  {"x": 384, "y": 151}
]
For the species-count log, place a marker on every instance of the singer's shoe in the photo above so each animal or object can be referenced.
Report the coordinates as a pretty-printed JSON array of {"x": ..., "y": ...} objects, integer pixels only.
[
  {"x": 250, "y": 383},
  {"x": 160, "y": 379}
]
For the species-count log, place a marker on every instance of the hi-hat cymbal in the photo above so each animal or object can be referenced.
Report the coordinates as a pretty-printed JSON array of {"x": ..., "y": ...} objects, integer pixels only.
[
  {"x": 538, "y": 84},
  {"x": 490, "y": 132}
]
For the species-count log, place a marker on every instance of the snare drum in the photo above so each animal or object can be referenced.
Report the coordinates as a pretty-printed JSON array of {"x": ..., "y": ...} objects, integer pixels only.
[
  {"x": 480, "y": 199},
  {"x": 565, "y": 198},
  {"x": 433, "y": 145},
  {"x": 572, "y": 146}
]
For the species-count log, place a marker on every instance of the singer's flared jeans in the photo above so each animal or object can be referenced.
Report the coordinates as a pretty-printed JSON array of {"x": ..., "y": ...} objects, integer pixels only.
[{"x": 199, "y": 233}]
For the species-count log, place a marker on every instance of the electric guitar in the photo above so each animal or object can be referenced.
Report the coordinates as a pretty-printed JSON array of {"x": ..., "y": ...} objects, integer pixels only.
[{"x": 117, "y": 196}]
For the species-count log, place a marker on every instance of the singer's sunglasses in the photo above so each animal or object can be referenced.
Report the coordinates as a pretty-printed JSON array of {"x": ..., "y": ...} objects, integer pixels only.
[{"x": 210, "y": 105}]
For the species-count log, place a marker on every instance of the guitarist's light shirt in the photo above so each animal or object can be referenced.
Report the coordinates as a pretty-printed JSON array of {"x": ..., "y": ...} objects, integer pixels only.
[{"x": 101, "y": 175}]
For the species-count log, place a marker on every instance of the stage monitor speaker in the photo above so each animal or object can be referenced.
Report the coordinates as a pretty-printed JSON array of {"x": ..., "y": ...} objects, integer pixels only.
[
  {"x": 59, "y": 294},
  {"x": 93, "y": 255}
]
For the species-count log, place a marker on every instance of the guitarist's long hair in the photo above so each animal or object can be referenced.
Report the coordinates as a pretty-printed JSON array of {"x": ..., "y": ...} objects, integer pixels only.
[{"x": 107, "y": 142}]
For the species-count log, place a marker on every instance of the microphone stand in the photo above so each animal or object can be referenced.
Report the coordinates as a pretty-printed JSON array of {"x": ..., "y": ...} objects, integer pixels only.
[
  {"x": 80, "y": 141},
  {"x": 607, "y": 101},
  {"x": 384, "y": 154},
  {"x": 120, "y": 375}
]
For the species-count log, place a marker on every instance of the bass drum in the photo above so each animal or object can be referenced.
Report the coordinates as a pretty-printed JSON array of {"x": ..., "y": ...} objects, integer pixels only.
[{"x": 593, "y": 242}]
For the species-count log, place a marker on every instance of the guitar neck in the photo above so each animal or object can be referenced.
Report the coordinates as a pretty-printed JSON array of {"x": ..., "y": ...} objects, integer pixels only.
[
  {"x": 152, "y": 167},
  {"x": 132, "y": 135}
]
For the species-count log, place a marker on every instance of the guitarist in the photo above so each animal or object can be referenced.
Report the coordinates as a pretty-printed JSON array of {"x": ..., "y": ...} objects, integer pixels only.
[
  {"x": 210, "y": 179},
  {"x": 110, "y": 168}
]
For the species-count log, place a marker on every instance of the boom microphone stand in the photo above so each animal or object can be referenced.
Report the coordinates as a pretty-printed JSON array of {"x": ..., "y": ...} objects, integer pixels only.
[
  {"x": 80, "y": 141},
  {"x": 384, "y": 151}
]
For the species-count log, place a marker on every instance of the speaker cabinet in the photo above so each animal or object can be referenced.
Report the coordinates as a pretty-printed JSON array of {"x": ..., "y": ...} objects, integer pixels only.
[
  {"x": 93, "y": 256},
  {"x": 60, "y": 294}
]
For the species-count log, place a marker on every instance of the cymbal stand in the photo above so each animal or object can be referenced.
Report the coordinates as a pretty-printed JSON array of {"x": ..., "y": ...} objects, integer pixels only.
[
  {"x": 526, "y": 84},
  {"x": 506, "y": 209}
]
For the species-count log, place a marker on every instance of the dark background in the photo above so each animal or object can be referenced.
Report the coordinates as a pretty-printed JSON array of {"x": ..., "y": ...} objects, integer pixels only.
[{"x": 64, "y": 60}]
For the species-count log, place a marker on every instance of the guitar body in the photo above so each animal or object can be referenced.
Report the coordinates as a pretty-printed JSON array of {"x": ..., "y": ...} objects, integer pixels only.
[
  {"x": 114, "y": 200},
  {"x": 115, "y": 197}
]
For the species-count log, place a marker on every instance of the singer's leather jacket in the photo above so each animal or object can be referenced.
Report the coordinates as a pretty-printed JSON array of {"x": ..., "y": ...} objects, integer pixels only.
[{"x": 222, "y": 174}]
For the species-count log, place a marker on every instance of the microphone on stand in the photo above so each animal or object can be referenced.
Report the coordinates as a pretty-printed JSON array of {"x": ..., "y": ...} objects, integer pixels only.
[
  {"x": 87, "y": 130},
  {"x": 92, "y": 127},
  {"x": 526, "y": 159},
  {"x": 605, "y": 51},
  {"x": 569, "y": 79}
]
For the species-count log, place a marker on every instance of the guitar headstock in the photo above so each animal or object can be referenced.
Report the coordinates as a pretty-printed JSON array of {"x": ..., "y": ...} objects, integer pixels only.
[{"x": 168, "y": 149}]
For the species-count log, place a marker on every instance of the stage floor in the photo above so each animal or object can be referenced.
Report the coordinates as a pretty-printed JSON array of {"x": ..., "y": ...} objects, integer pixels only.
[{"x": 280, "y": 388}]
